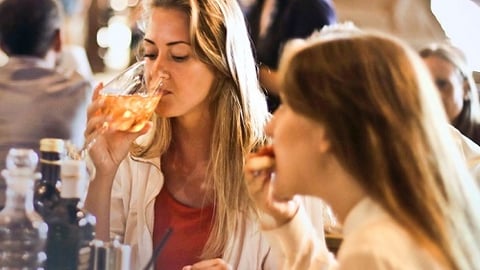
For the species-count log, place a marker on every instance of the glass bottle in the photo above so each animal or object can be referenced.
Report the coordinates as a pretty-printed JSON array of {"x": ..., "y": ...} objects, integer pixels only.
[
  {"x": 22, "y": 231},
  {"x": 71, "y": 229},
  {"x": 47, "y": 191}
]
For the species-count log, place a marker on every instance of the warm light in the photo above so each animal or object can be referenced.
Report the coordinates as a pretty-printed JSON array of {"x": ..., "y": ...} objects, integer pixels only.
[
  {"x": 118, "y": 5},
  {"x": 116, "y": 38},
  {"x": 460, "y": 20},
  {"x": 117, "y": 58},
  {"x": 119, "y": 34},
  {"x": 102, "y": 37}
]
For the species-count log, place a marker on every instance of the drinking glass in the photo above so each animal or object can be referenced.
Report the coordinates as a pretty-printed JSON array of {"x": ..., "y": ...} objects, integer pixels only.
[
  {"x": 129, "y": 101},
  {"x": 130, "y": 98}
]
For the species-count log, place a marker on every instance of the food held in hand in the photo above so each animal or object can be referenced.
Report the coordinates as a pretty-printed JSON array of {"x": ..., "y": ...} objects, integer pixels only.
[{"x": 266, "y": 151}]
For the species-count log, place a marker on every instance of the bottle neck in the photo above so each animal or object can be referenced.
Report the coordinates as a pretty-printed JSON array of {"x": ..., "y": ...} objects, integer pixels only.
[{"x": 50, "y": 167}]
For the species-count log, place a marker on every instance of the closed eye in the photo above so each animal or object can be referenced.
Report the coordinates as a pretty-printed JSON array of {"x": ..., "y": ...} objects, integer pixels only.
[
  {"x": 143, "y": 53},
  {"x": 180, "y": 58},
  {"x": 150, "y": 56}
]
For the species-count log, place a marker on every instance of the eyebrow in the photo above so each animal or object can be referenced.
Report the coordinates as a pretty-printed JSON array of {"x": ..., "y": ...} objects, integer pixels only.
[{"x": 168, "y": 44}]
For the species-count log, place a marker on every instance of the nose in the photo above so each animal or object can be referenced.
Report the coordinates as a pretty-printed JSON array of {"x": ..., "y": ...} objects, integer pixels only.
[
  {"x": 163, "y": 74},
  {"x": 161, "y": 77},
  {"x": 159, "y": 69},
  {"x": 157, "y": 76}
]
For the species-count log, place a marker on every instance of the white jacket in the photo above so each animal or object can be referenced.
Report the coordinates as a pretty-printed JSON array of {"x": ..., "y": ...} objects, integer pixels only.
[{"x": 135, "y": 188}]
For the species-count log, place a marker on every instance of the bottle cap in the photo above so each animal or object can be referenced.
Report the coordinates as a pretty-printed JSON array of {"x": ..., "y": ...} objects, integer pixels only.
[
  {"x": 72, "y": 173},
  {"x": 72, "y": 169},
  {"x": 52, "y": 145}
]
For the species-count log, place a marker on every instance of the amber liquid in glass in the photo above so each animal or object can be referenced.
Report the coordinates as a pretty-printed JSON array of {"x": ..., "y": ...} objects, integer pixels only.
[{"x": 129, "y": 113}]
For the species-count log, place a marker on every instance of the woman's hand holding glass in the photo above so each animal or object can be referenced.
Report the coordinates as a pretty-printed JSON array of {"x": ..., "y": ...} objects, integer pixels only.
[{"x": 120, "y": 112}]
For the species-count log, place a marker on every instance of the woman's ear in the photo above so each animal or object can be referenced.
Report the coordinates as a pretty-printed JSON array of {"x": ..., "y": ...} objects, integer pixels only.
[{"x": 323, "y": 142}]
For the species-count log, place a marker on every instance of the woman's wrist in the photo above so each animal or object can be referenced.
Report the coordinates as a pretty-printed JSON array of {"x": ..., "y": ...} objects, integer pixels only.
[{"x": 279, "y": 214}]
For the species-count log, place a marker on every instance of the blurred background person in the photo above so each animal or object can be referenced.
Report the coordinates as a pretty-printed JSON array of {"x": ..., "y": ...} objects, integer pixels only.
[
  {"x": 272, "y": 23},
  {"x": 456, "y": 86},
  {"x": 36, "y": 100},
  {"x": 73, "y": 55},
  {"x": 362, "y": 127}
]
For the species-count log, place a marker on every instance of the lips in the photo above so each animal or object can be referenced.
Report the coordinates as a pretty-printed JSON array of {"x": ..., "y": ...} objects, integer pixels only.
[{"x": 164, "y": 92}]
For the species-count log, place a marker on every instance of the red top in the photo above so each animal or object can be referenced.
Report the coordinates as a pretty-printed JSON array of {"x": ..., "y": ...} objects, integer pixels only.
[{"x": 191, "y": 228}]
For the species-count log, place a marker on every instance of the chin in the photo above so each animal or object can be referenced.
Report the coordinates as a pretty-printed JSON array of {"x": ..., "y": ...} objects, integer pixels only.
[{"x": 165, "y": 113}]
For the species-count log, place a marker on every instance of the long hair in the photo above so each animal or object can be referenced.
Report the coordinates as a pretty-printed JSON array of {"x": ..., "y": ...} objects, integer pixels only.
[
  {"x": 219, "y": 39},
  {"x": 388, "y": 129},
  {"x": 469, "y": 116}
]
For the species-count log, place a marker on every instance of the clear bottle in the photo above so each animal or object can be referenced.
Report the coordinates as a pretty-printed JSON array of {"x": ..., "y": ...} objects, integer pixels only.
[
  {"x": 23, "y": 232},
  {"x": 71, "y": 229},
  {"x": 47, "y": 192}
]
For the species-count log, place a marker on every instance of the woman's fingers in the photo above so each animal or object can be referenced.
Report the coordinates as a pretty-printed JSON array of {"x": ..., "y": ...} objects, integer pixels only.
[
  {"x": 94, "y": 123},
  {"x": 95, "y": 119},
  {"x": 259, "y": 163},
  {"x": 258, "y": 176},
  {"x": 258, "y": 171},
  {"x": 96, "y": 91},
  {"x": 95, "y": 106},
  {"x": 257, "y": 166}
]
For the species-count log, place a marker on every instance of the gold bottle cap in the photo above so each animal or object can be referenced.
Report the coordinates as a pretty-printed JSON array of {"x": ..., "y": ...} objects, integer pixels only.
[{"x": 52, "y": 145}]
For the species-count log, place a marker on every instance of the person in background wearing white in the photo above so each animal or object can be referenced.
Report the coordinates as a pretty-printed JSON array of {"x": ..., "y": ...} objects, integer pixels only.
[
  {"x": 362, "y": 127},
  {"x": 454, "y": 81}
]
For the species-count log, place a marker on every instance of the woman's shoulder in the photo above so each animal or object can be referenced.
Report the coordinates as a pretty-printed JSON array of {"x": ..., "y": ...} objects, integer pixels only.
[
  {"x": 383, "y": 244},
  {"x": 137, "y": 168}
]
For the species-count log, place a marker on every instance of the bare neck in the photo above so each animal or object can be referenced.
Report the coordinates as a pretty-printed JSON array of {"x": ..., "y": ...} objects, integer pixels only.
[
  {"x": 186, "y": 161},
  {"x": 191, "y": 138},
  {"x": 342, "y": 192}
]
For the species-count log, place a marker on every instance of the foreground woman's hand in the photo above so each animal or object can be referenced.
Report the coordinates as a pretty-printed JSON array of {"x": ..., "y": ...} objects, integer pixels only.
[
  {"x": 212, "y": 264},
  {"x": 108, "y": 150},
  {"x": 259, "y": 170},
  {"x": 110, "y": 146}
]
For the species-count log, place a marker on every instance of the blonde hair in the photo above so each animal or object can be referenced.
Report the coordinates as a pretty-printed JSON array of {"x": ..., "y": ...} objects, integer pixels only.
[
  {"x": 470, "y": 113},
  {"x": 220, "y": 40},
  {"x": 388, "y": 128}
]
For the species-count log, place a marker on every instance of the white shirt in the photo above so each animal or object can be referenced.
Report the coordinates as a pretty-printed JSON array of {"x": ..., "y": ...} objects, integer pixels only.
[
  {"x": 371, "y": 240},
  {"x": 135, "y": 188},
  {"x": 470, "y": 151}
]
